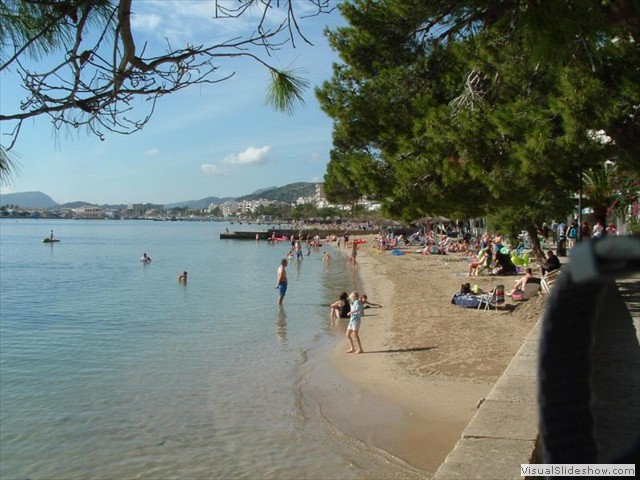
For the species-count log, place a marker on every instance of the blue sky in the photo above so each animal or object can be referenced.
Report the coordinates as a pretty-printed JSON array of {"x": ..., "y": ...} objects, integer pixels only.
[{"x": 211, "y": 140}]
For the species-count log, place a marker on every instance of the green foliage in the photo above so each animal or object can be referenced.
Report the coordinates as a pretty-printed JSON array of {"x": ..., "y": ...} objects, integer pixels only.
[
  {"x": 285, "y": 90},
  {"x": 465, "y": 109},
  {"x": 8, "y": 166},
  {"x": 42, "y": 27}
]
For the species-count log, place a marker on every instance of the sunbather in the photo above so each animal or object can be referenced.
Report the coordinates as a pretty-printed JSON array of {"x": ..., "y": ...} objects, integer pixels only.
[{"x": 521, "y": 283}]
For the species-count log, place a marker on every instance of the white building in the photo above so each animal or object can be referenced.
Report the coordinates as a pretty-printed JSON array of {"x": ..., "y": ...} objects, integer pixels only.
[{"x": 90, "y": 212}]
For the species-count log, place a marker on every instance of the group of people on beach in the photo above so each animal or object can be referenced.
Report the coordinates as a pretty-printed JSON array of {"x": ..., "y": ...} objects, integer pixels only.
[
  {"x": 352, "y": 307},
  {"x": 347, "y": 306}
]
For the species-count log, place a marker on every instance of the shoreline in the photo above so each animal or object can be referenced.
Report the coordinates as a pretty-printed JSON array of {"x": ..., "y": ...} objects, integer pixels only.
[{"x": 429, "y": 362}]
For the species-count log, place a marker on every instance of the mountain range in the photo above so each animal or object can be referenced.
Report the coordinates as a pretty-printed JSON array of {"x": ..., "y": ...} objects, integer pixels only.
[{"x": 287, "y": 193}]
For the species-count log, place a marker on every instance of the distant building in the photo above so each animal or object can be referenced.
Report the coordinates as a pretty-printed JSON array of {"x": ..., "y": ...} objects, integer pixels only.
[
  {"x": 230, "y": 208},
  {"x": 141, "y": 209},
  {"x": 89, "y": 213}
]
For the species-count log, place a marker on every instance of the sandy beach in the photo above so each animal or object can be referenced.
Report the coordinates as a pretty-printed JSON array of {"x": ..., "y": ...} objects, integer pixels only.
[{"x": 427, "y": 363}]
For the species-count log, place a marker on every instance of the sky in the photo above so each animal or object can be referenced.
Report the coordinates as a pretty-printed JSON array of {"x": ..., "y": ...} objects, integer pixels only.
[{"x": 218, "y": 140}]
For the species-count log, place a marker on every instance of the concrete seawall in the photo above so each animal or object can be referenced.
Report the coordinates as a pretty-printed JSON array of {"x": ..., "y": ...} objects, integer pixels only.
[{"x": 502, "y": 434}]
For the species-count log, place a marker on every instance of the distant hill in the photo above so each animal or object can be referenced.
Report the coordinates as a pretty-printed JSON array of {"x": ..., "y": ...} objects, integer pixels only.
[
  {"x": 28, "y": 200},
  {"x": 75, "y": 204},
  {"x": 262, "y": 190},
  {"x": 288, "y": 193},
  {"x": 197, "y": 204}
]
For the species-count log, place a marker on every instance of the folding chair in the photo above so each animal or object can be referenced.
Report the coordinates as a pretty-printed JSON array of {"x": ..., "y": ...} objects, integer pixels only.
[
  {"x": 548, "y": 279},
  {"x": 494, "y": 299}
]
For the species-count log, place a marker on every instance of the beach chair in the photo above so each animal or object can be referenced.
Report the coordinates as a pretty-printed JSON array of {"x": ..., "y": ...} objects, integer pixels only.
[
  {"x": 531, "y": 289},
  {"x": 494, "y": 299},
  {"x": 548, "y": 279}
]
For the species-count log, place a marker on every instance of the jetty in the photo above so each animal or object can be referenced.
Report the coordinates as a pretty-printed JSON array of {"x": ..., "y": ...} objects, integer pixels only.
[{"x": 287, "y": 233}]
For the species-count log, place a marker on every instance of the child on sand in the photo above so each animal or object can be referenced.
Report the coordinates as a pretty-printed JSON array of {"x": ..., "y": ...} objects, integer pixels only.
[
  {"x": 367, "y": 304},
  {"x": 355, "y": 315}
]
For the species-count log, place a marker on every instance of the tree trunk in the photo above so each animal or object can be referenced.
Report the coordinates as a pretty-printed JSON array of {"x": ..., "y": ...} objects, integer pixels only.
[{"x": 535, "y": 242}]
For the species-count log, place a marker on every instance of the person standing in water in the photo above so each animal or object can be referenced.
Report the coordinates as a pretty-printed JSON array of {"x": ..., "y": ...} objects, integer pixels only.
[
  {"x": 183, "y": 278},
  {"x": 281, "y": 280}
]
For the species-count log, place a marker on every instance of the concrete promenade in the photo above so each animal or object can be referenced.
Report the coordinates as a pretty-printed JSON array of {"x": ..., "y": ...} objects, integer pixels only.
[{"x": 503, "y": 432}]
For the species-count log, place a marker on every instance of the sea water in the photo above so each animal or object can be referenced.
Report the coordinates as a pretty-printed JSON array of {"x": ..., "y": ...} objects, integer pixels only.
[{"x": 111, "y": 368}]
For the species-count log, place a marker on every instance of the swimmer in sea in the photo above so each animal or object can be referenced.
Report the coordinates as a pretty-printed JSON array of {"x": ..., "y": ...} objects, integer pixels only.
[{"x": 183, "y": 278}]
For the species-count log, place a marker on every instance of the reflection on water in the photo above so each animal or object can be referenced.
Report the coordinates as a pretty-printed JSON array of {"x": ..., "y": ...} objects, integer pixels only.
[
  {"x": 281, "y": 325},
  {"x": 298, "y": 268}
]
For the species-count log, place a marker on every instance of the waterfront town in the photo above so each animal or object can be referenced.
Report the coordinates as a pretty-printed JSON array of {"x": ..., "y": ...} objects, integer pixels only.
[{"x": 229, "y": 209}]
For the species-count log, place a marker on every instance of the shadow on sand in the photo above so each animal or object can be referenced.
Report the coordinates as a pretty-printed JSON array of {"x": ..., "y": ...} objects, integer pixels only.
[{"x": 402, "y": 350}]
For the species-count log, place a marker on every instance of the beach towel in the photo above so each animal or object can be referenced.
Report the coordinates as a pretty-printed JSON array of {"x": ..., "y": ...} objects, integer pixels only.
[{"x": 397, "y": 252}]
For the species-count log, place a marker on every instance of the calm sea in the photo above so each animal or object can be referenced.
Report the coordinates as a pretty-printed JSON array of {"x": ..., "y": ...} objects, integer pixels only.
[{"x": 111, "y": 369}]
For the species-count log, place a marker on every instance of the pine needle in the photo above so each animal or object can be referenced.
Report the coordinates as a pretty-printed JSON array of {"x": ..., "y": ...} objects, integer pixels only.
[{"x": 285, "y": 90}]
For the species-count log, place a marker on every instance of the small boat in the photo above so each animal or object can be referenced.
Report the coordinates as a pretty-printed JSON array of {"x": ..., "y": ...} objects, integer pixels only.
[{"x": 49, "y": 240}]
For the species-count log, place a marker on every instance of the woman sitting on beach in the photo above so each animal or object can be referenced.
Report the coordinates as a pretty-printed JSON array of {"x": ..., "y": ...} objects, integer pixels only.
[
  {"x": 480, "y": 260},
  {"x": 340, "y": 308},
  {"x": 520, "y": 284}
]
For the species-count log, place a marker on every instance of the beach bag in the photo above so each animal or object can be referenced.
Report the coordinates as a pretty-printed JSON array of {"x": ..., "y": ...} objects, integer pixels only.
[
  {"x": 465, "y": 300},
  {"x": 476, "y": 290}
]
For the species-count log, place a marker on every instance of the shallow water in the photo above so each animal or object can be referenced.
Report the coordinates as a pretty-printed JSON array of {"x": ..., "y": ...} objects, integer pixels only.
[{"x": 110, "y": 368}]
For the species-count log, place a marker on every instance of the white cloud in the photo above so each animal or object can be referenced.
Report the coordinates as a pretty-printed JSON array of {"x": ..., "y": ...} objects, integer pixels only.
[
  {"x": 146, "y": 22},
  {"x": 189, "y": 21},
  {"x": 251, "y": 156},
  {"x": 210, "y": 169},
  {"x": 152, "y": 152}
]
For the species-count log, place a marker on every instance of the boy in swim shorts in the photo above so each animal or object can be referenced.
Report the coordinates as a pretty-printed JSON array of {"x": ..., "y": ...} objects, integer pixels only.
[
  {"x": 355, "y": 315},
  {"x": 281, "y": 280}
]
